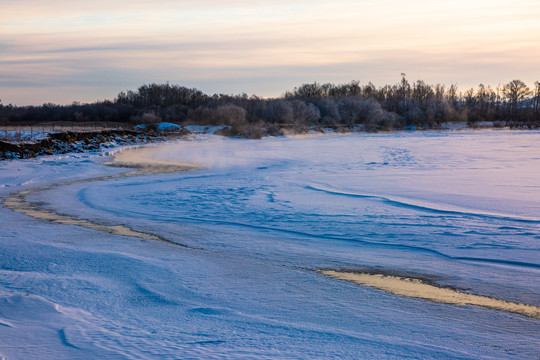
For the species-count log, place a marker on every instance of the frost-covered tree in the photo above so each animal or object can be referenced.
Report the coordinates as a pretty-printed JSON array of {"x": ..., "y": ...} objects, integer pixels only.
[{"x": 515, "y": 92}]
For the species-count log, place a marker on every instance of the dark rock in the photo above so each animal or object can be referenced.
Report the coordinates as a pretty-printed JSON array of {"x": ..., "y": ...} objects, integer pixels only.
[{"x": 64, "y": 142}]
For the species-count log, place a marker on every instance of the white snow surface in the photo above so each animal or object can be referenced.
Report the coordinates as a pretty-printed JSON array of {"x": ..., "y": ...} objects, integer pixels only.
[
  {"x": 459, "y": 208},
  {"x": 165, "y": 126}
]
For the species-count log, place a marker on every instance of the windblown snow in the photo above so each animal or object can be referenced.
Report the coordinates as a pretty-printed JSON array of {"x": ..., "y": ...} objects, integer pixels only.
[{"x": 259, "y": 223}]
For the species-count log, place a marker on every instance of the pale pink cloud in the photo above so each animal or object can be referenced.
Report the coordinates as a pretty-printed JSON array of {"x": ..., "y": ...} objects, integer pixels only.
[{"x": 254, "y": 46}]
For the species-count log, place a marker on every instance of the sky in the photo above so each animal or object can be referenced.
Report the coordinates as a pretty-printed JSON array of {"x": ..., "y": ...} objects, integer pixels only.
[{"x": 62, "y": 51}]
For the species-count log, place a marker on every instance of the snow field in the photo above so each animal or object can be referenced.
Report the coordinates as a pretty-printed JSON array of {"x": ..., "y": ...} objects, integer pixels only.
[{"x": 458, "y": 209}]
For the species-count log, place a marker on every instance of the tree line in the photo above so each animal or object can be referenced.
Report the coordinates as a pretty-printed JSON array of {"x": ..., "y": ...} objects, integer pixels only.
[{"x": 314, "y": 105}]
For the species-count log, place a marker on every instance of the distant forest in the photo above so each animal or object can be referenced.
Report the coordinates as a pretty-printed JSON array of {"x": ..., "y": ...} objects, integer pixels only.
[{"x": 310, "y": 106}]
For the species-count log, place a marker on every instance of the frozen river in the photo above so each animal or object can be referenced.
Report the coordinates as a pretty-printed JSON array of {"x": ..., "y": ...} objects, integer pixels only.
[{"x": 255, "y": 225}]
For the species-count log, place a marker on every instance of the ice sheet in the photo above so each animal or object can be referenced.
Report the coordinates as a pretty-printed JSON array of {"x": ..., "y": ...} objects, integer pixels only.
[{"x": 457, "y": 209}]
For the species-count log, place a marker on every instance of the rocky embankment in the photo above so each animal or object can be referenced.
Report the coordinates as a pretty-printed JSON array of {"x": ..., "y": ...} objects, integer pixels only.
[{"x": 67, "y": 141}]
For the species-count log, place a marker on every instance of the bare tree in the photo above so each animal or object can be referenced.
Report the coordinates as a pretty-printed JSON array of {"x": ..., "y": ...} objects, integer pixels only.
[
  {"x": 537, "y": 100},
  {"x": 515, "y": 92}
]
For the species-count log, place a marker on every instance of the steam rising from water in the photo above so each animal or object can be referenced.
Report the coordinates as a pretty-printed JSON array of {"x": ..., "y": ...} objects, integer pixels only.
[{"x": 147, "y": 161}]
